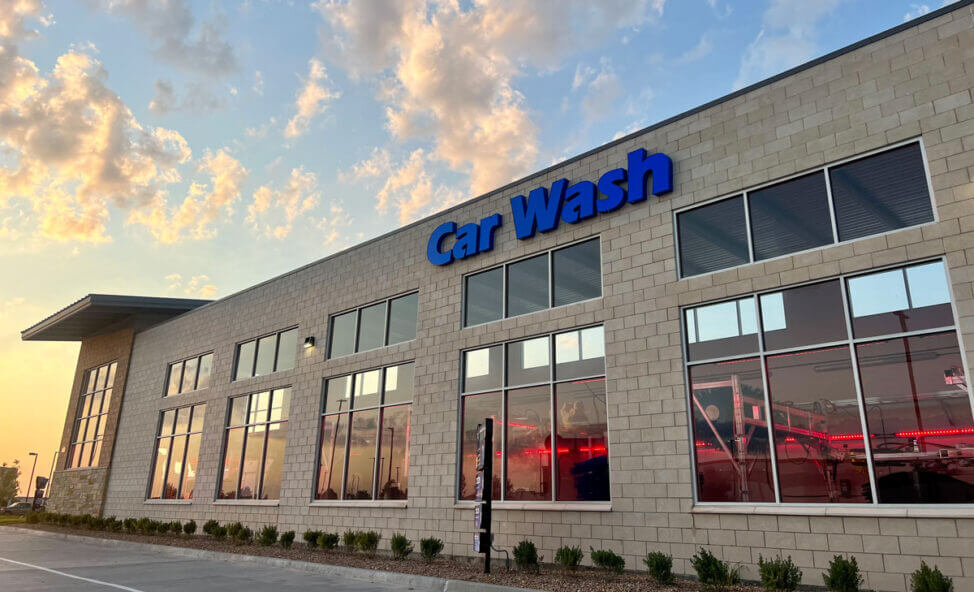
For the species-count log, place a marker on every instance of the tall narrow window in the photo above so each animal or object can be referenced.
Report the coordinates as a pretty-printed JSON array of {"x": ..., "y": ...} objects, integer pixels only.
[
  {"x": 253, "y": 455},
  {"x": 177, "y": 453},
  {"x": 92, "y": 415}
]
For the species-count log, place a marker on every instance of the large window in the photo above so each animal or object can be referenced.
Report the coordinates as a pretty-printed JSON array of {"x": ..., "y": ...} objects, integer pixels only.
[
  {"x": 191, "y": 374},
  {"x": 869, "y": 195},
  {"x": 377, "y": 325},
  {"x": 89, "y": 427},
  {"x": 265, "y": 355},
  {"x": 538, "y": 407},
  {"x": 364, "y": 447},
  {"x": 177, "y": 453},
  {"x": 556, "y": 278},
  {"x": 819, "y": 363},
  {"x": 253, "y": 456}
]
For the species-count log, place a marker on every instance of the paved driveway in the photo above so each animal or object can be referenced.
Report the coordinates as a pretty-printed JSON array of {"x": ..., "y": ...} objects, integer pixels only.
[{"x": 31, "y": 563}]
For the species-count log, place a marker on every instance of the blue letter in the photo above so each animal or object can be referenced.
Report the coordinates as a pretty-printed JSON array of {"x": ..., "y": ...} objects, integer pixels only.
[
  {"x": 487, "y": 227},
  {"x": 615, "y": 196},
  {"x": 466, "y": 244},
  {"x": 538, "y": 212},
  {"x": 579, "y": 202},
  {"x": 433, "y": 252},
  {"x": 658, "y": 164}
]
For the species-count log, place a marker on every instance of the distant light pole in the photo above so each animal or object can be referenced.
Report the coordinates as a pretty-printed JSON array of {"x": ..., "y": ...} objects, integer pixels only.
[
  {"x": 34, "y": 454},
  {"x": 50, "y": 477}
]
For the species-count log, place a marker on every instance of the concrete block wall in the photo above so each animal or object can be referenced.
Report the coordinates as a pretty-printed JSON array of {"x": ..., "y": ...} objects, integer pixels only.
[{"x": 915, "y": 83}]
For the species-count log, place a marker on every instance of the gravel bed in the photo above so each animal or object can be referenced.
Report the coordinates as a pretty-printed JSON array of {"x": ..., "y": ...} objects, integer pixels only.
[{"x": 550, "y": 578}]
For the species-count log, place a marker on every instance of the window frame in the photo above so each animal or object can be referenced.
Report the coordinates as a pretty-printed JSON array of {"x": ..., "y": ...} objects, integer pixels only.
[
  {"x": 387, "y": 302},
  {"x": 851, "y": 342},
  {"x": 97, "y": 442},
  {"x": 823, "y": 169},
  {"x": 155, "y": 453},
  {"x": 227, "y": 426},
  {"x": 503, "y": 389},
  {"x": 253, "y": 369},
  {"x": 182, "y": 370},
  {"x": 549, "y": 254}
]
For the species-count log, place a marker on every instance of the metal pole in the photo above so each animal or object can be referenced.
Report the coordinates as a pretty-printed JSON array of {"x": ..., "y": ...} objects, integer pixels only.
[
  {"x": 50, "y": 476},
  {"x": 29, "y": 481}
]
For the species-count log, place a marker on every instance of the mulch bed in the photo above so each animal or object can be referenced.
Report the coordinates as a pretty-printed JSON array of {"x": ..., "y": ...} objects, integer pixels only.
[{"x": 550, "y": 578}]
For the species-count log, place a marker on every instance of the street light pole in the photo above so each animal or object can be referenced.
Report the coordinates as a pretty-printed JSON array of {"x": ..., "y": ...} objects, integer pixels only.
[{"x": 34, "y": 454}]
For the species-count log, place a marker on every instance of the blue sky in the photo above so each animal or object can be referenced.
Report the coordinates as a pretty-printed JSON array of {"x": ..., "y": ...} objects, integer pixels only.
[{"x": 193, "y": 149}]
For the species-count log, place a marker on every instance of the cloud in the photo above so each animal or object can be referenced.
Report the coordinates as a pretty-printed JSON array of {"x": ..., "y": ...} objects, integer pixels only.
[
  {"x": 312, "y": 99},
  {"x": 14, "y": 13},
  {"x": 198, "y": 99},
  {"x": 197, "y": 286},
  {"x": 335, "y": 227},
  {"x": 258, "y": 86},
  {"x": 916, "y": 10},
  {"x": 602, "y": 89},
  {"x": 701, "y": 50},
  {"x": 177, "y": 39},
  {"x": 273, "y": 211},
  {"x": 787, "y": 38}
]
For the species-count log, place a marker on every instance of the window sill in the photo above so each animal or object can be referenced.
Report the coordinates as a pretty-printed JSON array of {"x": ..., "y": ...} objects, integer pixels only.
[
  {"x": 540, "y": 506},
  {"x": 233, "y": 502},
  {"x": 168, "y": 502},
  {"x": 359, "y": 503},
  {"x": 863, "y": 510}
]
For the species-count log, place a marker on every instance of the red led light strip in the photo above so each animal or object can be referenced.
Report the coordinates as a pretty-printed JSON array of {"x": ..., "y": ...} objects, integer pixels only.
[{"x": 928, "y": 433}]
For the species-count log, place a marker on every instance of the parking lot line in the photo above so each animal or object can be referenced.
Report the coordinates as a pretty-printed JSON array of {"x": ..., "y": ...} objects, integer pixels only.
[{"x": 67, "y": 575}]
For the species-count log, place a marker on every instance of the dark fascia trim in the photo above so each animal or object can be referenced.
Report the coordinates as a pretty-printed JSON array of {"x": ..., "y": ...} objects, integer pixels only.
[
  {"x": 718, "y": 101},
  {"x": 149, "y": 304}
]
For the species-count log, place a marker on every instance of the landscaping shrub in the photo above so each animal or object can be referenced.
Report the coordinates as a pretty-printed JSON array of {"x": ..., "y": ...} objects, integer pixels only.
[
  {"x": 146, "y": 526},
  {"x": 176, "y": 527},
  {"x": 714, "y": 572},
  {"x": 311, "y": 537},
  {"x": 930, "y": 580},
  {"x": 843, "y": 575},
  {"x": 267, "y": 536},
  {"x": 209, "y": 525},
  {"x": 660, "y": 566},
  {"x": 97, "y": 523},
  {"x": 401, "y": 546},
  {"x": 219, "y": 532},
  {"x": 430, "y": 548},
  {"x": 190, "y": 527},
  {"x": 569, "y": 557},
  {"x": 367, "y": 541},
  {"x": 526, "y": 555},
  {"x": 234, "y": 528},
  {"x": 607, "y": 559},
  {"x": 287, "y": 539},
  {"x": 130, "y": 525},
  {"x": 161, "y": 527},
  {"x": 113, "y": 524},
  {"x": 779, "y": 574},
  {"x": 348, "y": 539},
  {"x": 245, "y": 536},
  {"x": 328, "y": 540},
  {"x": 32, "y": 517}
]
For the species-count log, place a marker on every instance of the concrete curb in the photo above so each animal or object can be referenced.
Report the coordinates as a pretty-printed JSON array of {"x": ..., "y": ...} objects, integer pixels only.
[{"x": 401, "y": 580}]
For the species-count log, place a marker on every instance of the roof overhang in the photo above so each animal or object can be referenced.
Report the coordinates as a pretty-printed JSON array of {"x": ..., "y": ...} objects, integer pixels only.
[{"x": 99, "y": 314}]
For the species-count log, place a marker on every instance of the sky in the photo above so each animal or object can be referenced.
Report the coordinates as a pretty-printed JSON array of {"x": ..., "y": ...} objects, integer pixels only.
[{"x": 192, "y": 149}]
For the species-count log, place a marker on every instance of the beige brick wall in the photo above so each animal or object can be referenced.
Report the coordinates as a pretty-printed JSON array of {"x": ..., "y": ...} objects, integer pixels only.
[{"x": 914, "y": 84}]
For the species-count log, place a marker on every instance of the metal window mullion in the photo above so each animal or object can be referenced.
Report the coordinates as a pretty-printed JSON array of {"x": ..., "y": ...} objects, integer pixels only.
[
  {"x": 358, "y": 316},
  {"x": 551, "y": 277},
  {"x": 182, "y": 470},
  {"x": 504, "y": 306},
  {"x": 385, "y": 332},
  {"x": 747, "y": 225},
  {"x": 552, "y": 423},
  {"x": 769, "y": 414},
  {"x": 917, "y": 333},
  {"x": 689, "y": 403},
  {"x": 860, "y": 396},
  {"x": 348, "y": 444},
  {"x": 906, "y": 288},
  {"x": 828, "y": 193},
  {"x": 375, "y": 454}
]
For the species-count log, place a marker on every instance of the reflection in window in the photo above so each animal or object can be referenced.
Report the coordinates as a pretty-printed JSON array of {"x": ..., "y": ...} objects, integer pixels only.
[
  {"x": 370, "y": 327},
  {"x": 475, "y": 409},
  {"x": 577, "y": 273},
  {"x": 482, "y": 369},
  {"x": 268, "y": 354},
  {"x": 402, "y": 318},
  {"x": 365, "y": 453},
  {"x": 527, "y": 286},
  {"x": 900, "y": 300},
  {"x": 89, "y": 427},
  {"x": 342, "y": 336},
  {"x": 483, "y": 297},
  {"x": 790, "y": 216},
  {"x": 254, "y": 451},
  {"x": 527, "y": 361},
  {"x": 580, "y": 353},
  {"x": 712, "y": 237},
  {"x": 722, "y": 329},
  {"x": 803, "y": 316},
  {"x": 528, "y": 444},
  {"x": 582, "y": 440}
]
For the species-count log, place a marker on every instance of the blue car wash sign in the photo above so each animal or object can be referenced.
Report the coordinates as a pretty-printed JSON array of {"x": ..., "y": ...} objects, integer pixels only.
[{"x": 543, "y": 209}]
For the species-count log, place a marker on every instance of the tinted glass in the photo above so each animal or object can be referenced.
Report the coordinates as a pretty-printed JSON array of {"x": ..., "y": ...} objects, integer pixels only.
[
  {"x": 361, "y": 455},
  {"x": 528, "y": 445},
  {"x": 483, "y": 297},
  {"x": 881, "y": 193},
  {"x": 402, "y": 318},
  {"x": 582, "y": 441},
  {"x": 266, "y": 350},
  {"x": 274, "y": 461},
  {"x": 789, "y": 217},
  {"x": 245, "y": 360},
  {"x": 238, "y": 410},
  {"x": 367, "y": 385},
  {"x": 372, "y": 327},
  {"x": 476, "y": 408},
  {"x": 342, "y": 335},
  {"x": 182, "y": 420},
  {"x": 206, "y": 367},
  {"x": 111, "y": 374},
  {"x": 527, "y": 286},
  {"x": 398, "y": 384},
  {"x": 803, "y": 316},
  {"x": 189, "y": 375},
  {"x": 527, "y": 362},
  {"x": 482, "y": 369},
  {"x": 900, "y": 300},
  {"x": 168, "y": 422},
  {"x": 334, "y": 433},
  {"x": 717, "y": 390},
  {"x": 394, "y": 453},
  {"x": 338, "y": 394},
  {"x": 175, "y": 468},
  {"x": 919, "y": 416},
  {"x": 231, "y": 463},
  {"x": 175, "y": 378},
  {"x": 580, "y": 353},
  {"x": 159, "y": 474},
  {"x": 253, "y": 454},
  {"x": 189, "y": 469},
  {"x": 722, "y": 330},
  {"x": 577, "y": 273},
  {"x": 712, "y": 237},
  {"x": 287, "y": 350},
  {"x": 280, "y": 404},
  {"x": 199, "y": 413},
  {"x": 816, "y": 425}
]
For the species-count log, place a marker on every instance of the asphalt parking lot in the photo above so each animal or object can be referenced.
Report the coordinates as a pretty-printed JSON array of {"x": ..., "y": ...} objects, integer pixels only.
[{"x": 31, "y": 563}]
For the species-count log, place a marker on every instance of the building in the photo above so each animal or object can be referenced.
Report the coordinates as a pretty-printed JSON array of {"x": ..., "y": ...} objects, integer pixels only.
[{"x": 801, "y": 250}]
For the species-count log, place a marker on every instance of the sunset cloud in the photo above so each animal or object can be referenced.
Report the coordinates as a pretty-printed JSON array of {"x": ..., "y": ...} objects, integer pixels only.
[
  {"x": 198, "y": 286},
  {"x": 273, "y": 211},
  {"x": 312, "y": 99}
]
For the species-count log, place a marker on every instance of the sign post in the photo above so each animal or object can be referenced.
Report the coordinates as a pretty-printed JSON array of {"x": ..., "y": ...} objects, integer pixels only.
[{"x": 483, "y": 490}]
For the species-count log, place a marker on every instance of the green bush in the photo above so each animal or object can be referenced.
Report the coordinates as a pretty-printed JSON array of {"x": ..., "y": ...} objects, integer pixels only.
[
  {"x": 219, "y": 532},
  {"x": 113, "y": 524},
  {"x": 714, "y": 572},
  {"x": 779, "y": 574},
  {"x": 267, "y": 536},
  {"x": 327, "y": 540},
  {"x": 401, "y": 546},
  {"x": 209, "y": 525},
  {"x": 33, "y": 517},
  {"x": 311, "y": 537},
  {"x": 96, "y": 523},
  {"x": 526, "y": 555},
  {"x": 349, "y": 538},
  {"x": 930, "y": 580},
  {"x": 130, "y": 525},
  {"x": 569, "y": 557},
  {"x": 147, "y": 527},
  {"x": 176, "y": 527},
  {"x": 660, "y": 566},
  {"x": 607, "y": 559},
  {"x": 161, "y": 527},
  {"x": 244, "y": 536},
  {"x": 430, "y": 548},
  {"x": 287, "y": 539},
  {"x": 367, "y": 542},
  {"x": 233, "y": 529},
  {"x": 190, "y": 527},
  {"x": 843, "y": 575}
]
